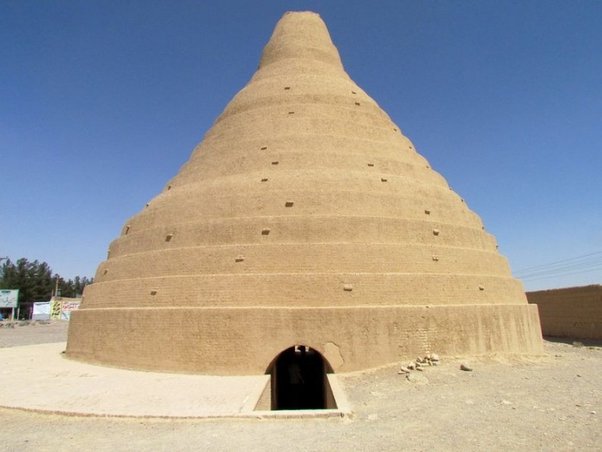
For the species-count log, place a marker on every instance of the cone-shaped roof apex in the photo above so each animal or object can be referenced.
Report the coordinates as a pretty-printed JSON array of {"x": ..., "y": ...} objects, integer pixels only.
[{"x": 300, "y": 35}]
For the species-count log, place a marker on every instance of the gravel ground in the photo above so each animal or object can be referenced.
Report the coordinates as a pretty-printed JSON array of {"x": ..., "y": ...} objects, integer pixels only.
[
  {"x": 549, "y": 403},
  {"x": 14, "y": 334}
]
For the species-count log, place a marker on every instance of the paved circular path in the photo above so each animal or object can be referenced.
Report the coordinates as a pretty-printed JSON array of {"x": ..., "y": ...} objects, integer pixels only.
[{"x": 40, "y": 378}]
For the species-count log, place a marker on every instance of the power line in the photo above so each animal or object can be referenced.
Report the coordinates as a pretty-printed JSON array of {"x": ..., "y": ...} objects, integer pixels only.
[
  {"x": 535, "y": 278},
  {"x": 526, "y": 269},
  {"x": 584, "y": 263}
]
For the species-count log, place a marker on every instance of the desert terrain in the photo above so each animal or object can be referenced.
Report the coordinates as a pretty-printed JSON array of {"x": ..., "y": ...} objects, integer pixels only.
[{"x": 551, "y": 402}]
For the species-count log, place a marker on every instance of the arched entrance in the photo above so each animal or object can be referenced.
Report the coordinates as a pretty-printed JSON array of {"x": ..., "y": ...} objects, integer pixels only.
[{"x": 299, "y": 380}]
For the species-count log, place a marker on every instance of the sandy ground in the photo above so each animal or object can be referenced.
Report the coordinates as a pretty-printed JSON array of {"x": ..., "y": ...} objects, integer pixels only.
[
  {"x": 549, "y": 403},
  {"x": 42, "y": 379}
]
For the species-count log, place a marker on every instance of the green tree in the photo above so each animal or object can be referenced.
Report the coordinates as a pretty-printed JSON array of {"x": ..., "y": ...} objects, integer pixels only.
[
  {"x": 33, "y": 279},
  {"x": 36, "y": 281}
]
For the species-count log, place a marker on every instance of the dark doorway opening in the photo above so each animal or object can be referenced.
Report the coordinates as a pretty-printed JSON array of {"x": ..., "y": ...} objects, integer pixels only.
[{"x": 299, "y": 380}]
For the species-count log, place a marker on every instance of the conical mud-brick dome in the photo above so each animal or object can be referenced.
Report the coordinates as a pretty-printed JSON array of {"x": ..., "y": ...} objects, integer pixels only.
[{"x": 306, "y": 217}]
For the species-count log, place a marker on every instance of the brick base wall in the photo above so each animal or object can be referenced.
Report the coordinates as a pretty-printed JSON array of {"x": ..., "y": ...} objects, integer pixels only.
[{"x": 240, "y": 341}]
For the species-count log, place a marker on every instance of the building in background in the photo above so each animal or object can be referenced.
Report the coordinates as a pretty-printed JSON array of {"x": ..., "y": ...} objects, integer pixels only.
[{"x": 574, "y": 312}]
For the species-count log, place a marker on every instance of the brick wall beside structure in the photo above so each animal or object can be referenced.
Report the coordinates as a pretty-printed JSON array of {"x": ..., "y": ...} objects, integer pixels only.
[{"x": 571, "y": 312}]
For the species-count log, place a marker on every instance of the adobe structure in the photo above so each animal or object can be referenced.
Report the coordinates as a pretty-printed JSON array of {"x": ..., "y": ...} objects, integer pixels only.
[
  {"x": 304, "y": 218},
  {"x": 574, "y": 312}
]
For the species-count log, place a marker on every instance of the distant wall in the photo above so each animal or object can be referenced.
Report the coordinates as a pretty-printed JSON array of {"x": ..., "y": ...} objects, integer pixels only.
[{"x": 571, "y": 312}]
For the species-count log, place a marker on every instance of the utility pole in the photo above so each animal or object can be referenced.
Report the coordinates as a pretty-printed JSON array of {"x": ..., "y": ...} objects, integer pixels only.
[
  {"x": 12, "y": 314},
  {"x": 1, "y": 270}
]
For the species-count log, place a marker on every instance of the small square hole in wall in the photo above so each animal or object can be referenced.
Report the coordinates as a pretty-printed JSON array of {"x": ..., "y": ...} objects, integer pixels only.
[
  {"x": 105, "y": 271},
  {"x": 168, "y": 237},
  {"x": 275, "y": 162},
  {"x": 435, "y": 259},
  {"x": 383, "y": 179},
  {"x": 394, "y": 129},
  {"x": 263, "y": 148},
  {"x": 239, "y": 259},
  {"x": 291, "y": 112},
  {"x": 370, "y": 164},
  {"x": 353, "y": 92},
  {"x": 427, "y": 211},
  {"x": 286, "y": 88},
  {"x": 289, "y": 204},
  {"x": 435, "y": 231},
  {"x": 265, "y": 179},
  {"x": 357, "y": 103},
  {"x": 126, "y": 230},
  {"x": 347, "y": 287},
  {"x": 265, "y": 231},
  {"x": 481, "y": 287},
  {"x": 153, "y": 292},
  {"x": 169, "y": 187}
]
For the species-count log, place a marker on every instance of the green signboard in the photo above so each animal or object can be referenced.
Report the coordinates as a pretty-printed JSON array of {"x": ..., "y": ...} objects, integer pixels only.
[{"x": 8, "y": 298}]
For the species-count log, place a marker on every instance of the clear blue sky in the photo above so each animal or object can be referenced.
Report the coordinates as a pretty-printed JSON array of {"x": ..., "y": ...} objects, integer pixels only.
[{"x": 101, "y": 102}]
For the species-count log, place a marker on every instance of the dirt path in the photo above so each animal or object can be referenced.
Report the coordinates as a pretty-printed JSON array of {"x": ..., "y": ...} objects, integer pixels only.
[{"x": 553, "y": 403}]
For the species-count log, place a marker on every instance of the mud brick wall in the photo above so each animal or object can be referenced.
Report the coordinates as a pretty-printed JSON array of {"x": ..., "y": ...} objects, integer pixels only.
[{"x": 571, "y": 312}]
